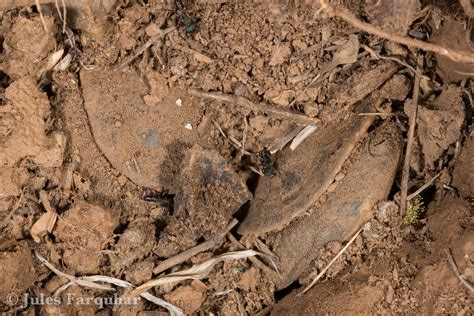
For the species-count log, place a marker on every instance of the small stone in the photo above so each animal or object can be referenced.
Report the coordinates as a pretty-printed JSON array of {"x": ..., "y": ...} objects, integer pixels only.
[
  {"x": 122, "y": 180},
  {"x": 188, "y": 126}
]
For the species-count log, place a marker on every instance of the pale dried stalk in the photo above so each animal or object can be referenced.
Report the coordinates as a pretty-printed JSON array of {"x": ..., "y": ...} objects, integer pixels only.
[
  {"x": 427, "y": 184},
  {"x": 258, "y": 107},
  {"x": 456, "y": 271},
  {"x": 330, "y": 263},
  {"x": 182, "y": 257},
  {"x": 40, "y": 11},
  {"x": 198, "y": 271},
  {"x": 89, "y": 281},
  {"x": 410, "y": 141}
]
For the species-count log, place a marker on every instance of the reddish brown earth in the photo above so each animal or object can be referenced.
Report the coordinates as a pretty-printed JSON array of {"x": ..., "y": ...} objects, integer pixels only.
[{"x": 106, "y": 155}]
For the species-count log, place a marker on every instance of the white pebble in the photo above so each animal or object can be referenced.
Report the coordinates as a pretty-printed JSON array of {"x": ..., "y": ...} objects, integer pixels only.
[
  {"x": 188, "y": 126},
  {"x": 179, "y": 102}
]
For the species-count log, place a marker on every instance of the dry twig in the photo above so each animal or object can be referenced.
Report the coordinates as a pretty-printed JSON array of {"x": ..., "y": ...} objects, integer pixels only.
[
  {"x": 411, "y": 138},
  {"x": 455, "y": 55},
  {"x": 423, "y": 187},
  {"x": 182, "y": 257},
  {"x": 331, "y": 263},
  {"x": 150, "y": 42},
  {"x": 456, "y": 271},
  {"x": 254, "y": 260},
  {"x": 259, "y": 107}
]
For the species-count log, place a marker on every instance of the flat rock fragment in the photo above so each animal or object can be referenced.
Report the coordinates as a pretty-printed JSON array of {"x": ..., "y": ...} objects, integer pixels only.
[
  {"x": 369, "y": 177},
  {"x": 302, "y": 175},
  {"x": 209, "y": 194},
  {"x": 142, "y": 133},
  {"x": 82, "y": 232}
]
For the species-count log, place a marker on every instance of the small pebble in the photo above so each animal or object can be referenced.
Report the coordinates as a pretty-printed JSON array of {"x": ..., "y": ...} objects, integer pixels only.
[
  {"x": 188, "y": 126},
  {"x": 179, "y": 102}
]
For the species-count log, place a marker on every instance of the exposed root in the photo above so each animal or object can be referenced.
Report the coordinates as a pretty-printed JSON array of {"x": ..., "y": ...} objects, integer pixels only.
[
  {"x": 40, "y": 11},
  {"x": 455, "y": 55}
]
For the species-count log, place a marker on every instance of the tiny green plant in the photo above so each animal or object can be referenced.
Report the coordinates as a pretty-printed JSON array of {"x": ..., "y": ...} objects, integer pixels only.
[{"x": 416, "y": 206}]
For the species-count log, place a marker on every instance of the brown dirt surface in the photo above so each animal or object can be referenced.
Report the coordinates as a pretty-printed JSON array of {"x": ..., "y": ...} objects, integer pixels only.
[
  {"x": 132, "y": 133},
  {"x": 81, "y": 233}
]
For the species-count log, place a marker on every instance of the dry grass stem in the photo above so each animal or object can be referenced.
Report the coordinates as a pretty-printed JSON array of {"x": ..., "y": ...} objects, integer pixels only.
[
  {"x": 410, "y": 141},
  {"x": 305, "y": 133},
  {"x": 184, "y": 256},
  {"x": 258, "y": 107},
  {"x": 198, "y": 271},
  {"x": 306, "y": 289},
  {"x": 150, "y": 42},
  {"x": 427, "y": 184},
  {"x": 89, "y": 281},
  {"x": 40, "y": 11},
  {"x": 456, "y": 271}
]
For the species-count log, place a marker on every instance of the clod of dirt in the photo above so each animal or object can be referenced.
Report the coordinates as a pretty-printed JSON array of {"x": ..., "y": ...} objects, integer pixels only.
[
  {"x": 142, "y": 133},
  {"x": 439, "y": 123},
  {"x": 302, "y": 176},
  {"x": 331, "y": 297},
  {"x": 27, "y": 45},
  {"x": 394, "y": 16},
  {"x": 186, "y": 297},
  {"x": 81, "y": 233},
  {"x": 11, "y": 180},
  {"x": 396, "y": 88},
  {"x": 22, "y": 127},
  {"x": 369, "y": 177},
  {"x": 209, "y": 194},
  {"x": 135, "y": 243},
  {"x": 463, "y": 177},
  {"x": 17, "y": 271},
  {"x": 454, "y": 35}
]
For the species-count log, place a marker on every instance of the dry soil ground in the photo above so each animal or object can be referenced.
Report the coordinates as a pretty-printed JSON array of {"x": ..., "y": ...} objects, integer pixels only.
[{"x": 134, "y": 130}]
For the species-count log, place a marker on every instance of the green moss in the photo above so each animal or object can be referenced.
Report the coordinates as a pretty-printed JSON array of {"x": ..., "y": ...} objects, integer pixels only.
[{"x": 415, "y": 207}]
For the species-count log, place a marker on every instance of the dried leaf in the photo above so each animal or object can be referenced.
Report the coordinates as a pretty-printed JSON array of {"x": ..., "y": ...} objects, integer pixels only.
[
  {"x": 44, "y": 225},
  {"x": 345, "y": 54},
  {"x": 305, "y": 133},
  {"x": 198, "y": 271}
]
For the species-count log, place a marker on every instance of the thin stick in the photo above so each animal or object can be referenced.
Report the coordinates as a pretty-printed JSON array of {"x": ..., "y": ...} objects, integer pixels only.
[
  {"x": 64, "y": 16},
  {"x": 427, "y": 184},
  {"x": 455, "y": 55},
  {"x": 380, "y": 114},
  {"x": 411, "y": 138},
  {"x": 150, "y": 42},
  {"x": 182, "y": 257},
  {"x": 38, "y": 6},
  {"x": 236, "y": 146},
  {"x": 456, "y": 271},
  {"x": 254, "y": 260},
  {"x": 331, "y": 262},
  {"x": 260, "y": 107},
  {"x": 244, "y": 136}
]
